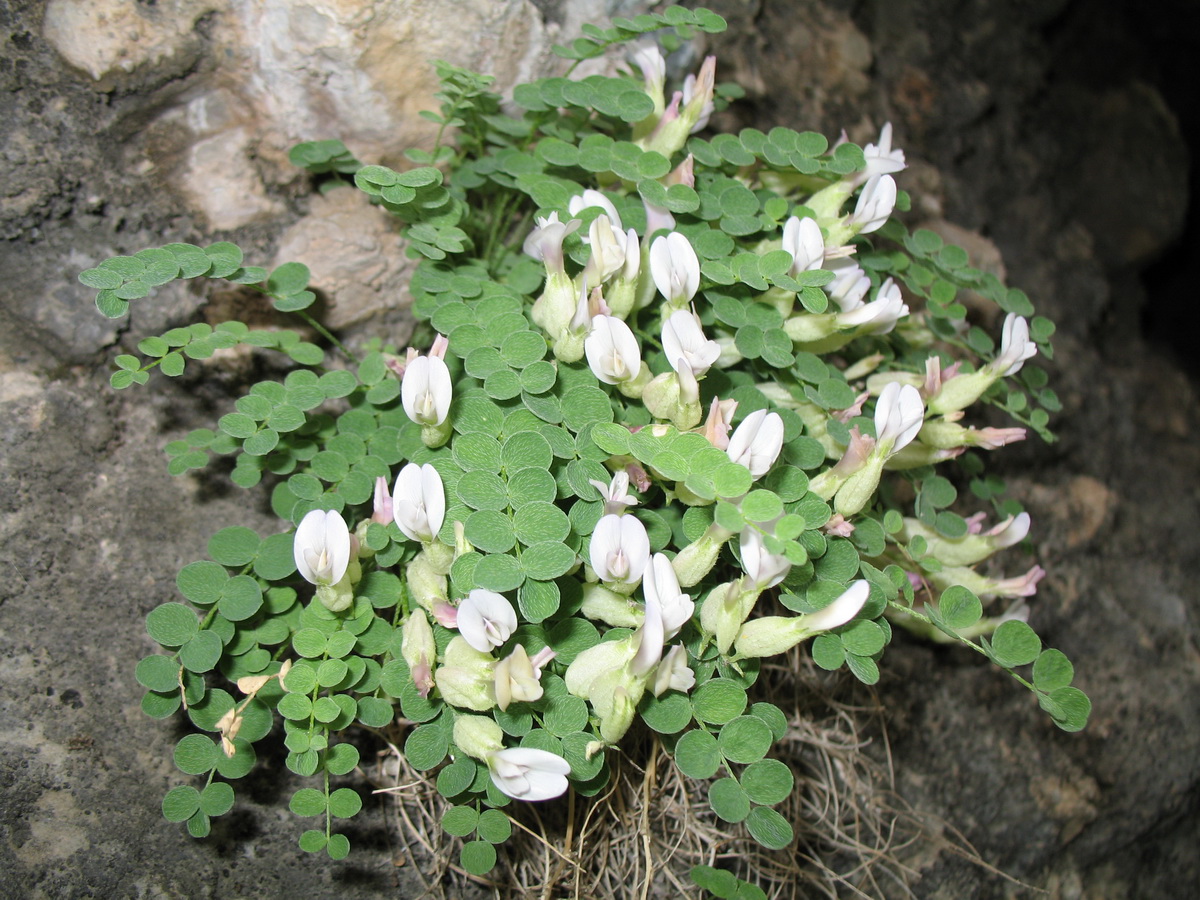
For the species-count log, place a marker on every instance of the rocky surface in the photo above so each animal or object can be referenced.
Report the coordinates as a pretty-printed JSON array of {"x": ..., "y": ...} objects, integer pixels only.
[{"x": 1053, "y": 141}]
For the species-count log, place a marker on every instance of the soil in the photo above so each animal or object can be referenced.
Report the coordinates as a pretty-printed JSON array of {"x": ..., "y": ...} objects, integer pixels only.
[{"x": 1058, "y": 137}]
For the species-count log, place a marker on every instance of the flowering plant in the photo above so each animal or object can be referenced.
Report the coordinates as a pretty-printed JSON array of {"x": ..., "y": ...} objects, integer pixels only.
[{"x": 686, "y": 406}]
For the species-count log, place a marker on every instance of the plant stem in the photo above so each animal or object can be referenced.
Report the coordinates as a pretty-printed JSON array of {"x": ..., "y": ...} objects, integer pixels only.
[{"x": 328, "y": 335}]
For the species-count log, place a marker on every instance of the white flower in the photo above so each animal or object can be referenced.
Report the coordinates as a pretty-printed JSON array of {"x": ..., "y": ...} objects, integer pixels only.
[
  {"x": 620, "y": 549},
  {"x": 615, "y": 494},
  {"x": 698, "y": 95},
  {"x": 426, "y": 390},
  {"x": 802, "y": 239},
  {"x": 899, "y": 414},
  {"x": 881, "y": 158},
  {"x": 881, "y": 314},
  {"x": 840, "y": 611},
  {"x": 673, "y": 673},
  {"x": 612, "y": 350},
  {"x": 757, "y": 442},
  {"x": 683, "y": 339},
  {"x": 321, "y": 547},
  {"x": 875, "y": 204},
  {"x": 1011, "y": 531},
  {"x": 608, "y": 250},
  {"x": 590, "y": 198},
  {"x": 675, "y": 268},
  {"x": 419, "y": 502},
  {"x": 545, "y": 241},
  {"x": 764, "y": 569},
  {"x": 486, "y": 619},
  {"x": 650, "y": 639},
  {"x": 850, "y": 284},
  {"x": 517, "y": 679},
  {"x": 649, "y": 60},
  {"x": 769, "y": 635},
  {"x": 1015, "y": 346},
  {"x": 525, "y": 773},
  {"x": 660, "y": 585}
]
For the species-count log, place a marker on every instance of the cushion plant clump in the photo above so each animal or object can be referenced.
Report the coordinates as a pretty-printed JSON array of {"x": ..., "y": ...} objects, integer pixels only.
[{"x": 688, "y": 403}]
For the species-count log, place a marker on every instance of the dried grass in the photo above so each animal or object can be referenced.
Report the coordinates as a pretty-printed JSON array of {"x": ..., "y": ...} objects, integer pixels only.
[{"x": 639, "y": 838}]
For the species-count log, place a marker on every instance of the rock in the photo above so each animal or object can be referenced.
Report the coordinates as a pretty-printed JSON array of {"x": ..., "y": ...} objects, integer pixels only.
[
  {"x": 356, "y": 258},
  {"x": 221, "y": 183},
  {"x": 100, "y": 36}
]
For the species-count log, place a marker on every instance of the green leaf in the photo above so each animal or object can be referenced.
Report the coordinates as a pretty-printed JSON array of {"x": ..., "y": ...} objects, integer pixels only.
[
  {"x": 494, "y": 826},
  {"x": 718, "y": 701},
  {"x": 275, "y": 560},
  {"x": 202, "y": 582},
  {"x": 728, "y": 800},
  {"x": 490, "y": 531},
  {"x": 769, "y": 828},
  {"x": 863, "y": 668},
  {"x": 828, "y": 652},
  {"x": 290, "y": 278},
  {"x": 457, "y": 777},
  {"x": 241, "y": 598},
  {"x": 295, "y": 706},
  {"x": 308, "y": 802},
  {"x": 240, "y": 764},
  {"x": 196, "y": 754},
  {"x": 668, "y": 714},
  {"x": 717, "y": 882},
  {"x": 1015, "y": 644},
  {"x": 426, "y": 746},
  {"x": 773, "y": 716},
  {"x": 959, "y": 608},
  {"x": 172, "y": 625},
  {"x": 499, "y": 572},
  {"x": 762, "y": 506},
  {"x": 375, "y": 712},
  {"x": 160, "y": 705},
  {"x": 110, "y": 305},
  {"x": 460, "y": 820},
  {"x": 226, "y": 258},
  {"x": 161, "y": 673},
  {"x": 863, "y": 638},
  {"x": 216, "y": 799},
  {"x": 1070, "y": 708},
  {"x": 234, "y": 546},
  {"x": 201, "y": 653},
  {"x": 180, "y": 803},
  {"x": 768, "y": 781},
  {"x": 338, "y": 846},
  {"x": 1051, "y": 671},
  {"x": 696, "y": 754},
  {"x": 199, "y": 825},
  {"x": 344, "y": 803},
  {"x": 478, "y": 857},
  {"x": 312, "y": 841},
  {"x": 744, "y": 739}
]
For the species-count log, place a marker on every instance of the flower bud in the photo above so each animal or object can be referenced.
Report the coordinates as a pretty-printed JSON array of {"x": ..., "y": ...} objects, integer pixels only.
[
  {"x": 477, "y": 736},
  {"x": 697, "y": 559},
  {"x": 466, "y": 677},
  {"x": 419, "y": 650}
]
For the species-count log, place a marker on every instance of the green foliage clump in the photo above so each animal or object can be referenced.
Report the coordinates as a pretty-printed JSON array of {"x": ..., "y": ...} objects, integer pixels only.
[{"x": 557, "y": 482}]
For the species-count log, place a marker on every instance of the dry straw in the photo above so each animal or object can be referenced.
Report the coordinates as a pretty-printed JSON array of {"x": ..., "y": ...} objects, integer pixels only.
[{"x": 640, "y": 837}]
